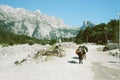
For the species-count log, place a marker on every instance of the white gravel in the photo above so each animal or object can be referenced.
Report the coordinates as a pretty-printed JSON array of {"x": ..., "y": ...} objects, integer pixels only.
[{"x": 65, "y": 68}]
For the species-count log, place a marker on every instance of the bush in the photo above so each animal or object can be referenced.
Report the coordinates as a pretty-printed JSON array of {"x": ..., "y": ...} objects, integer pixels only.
[{"x": 52, "y": 42}]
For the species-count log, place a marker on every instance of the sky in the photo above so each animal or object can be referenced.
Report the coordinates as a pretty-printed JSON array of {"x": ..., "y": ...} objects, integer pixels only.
[{"x": 72, "y": 12}]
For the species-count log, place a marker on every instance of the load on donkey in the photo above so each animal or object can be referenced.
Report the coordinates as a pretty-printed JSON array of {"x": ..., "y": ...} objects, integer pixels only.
[{"x": 81, "y": 52}]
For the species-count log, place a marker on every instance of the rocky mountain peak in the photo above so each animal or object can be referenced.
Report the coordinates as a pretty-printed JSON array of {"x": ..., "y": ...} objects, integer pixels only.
[
  {"x": 34, "y": 24},
  {"x": 87, "y": 23}
]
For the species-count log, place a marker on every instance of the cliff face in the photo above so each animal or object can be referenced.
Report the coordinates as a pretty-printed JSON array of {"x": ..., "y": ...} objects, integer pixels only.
[{"x": 34, "y": 24}]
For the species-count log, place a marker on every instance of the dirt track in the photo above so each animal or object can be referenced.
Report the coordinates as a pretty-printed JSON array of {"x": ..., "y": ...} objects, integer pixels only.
[{"x": 98, "y": 66}]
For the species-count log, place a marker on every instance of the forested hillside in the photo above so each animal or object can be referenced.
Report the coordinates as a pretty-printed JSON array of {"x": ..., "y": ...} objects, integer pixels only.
[
  {"x": 8, "y": 38},
  {"x": 101, "y": 33}
]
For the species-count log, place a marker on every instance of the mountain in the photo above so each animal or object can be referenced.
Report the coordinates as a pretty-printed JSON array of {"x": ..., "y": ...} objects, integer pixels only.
[
  {"x": 86, "y": 24},
  {"x": 34, "y": 24}
]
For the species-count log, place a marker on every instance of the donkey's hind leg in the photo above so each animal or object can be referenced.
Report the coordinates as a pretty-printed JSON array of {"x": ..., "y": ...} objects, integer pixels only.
[
  {"x": 80, "y": 62},
  {"x": 80, "y": 59}
]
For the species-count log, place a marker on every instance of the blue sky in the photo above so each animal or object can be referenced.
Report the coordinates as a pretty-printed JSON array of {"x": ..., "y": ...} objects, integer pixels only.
[{"x": 73, "y": 12}]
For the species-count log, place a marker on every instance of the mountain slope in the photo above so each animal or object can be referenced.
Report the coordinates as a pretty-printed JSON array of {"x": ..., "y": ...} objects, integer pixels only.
[{"x": 33, "y": 24}]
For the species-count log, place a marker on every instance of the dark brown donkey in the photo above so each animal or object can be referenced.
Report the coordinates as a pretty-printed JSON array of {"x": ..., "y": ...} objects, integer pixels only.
[{"x": 81, "y": 52}]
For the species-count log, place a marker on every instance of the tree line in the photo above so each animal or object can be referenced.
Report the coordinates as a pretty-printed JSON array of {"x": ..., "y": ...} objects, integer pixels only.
[
  {"x": 100, "y": 34},
  {"x": 8, "y": 38}
]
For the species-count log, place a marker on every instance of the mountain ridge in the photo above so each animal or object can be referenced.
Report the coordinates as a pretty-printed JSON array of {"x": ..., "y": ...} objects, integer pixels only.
[{"x": 33, "y": 24}]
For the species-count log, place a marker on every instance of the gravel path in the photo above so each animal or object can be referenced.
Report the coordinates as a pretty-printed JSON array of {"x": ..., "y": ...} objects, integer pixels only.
[{"x": 98, "y": 66}]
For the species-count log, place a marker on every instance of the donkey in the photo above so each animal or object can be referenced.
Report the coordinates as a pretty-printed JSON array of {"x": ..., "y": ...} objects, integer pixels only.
[{"x": 81, "y": 52}]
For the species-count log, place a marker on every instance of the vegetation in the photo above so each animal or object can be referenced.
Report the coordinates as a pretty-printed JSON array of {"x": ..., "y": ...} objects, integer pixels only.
[
  {"x": 100, "y": 34},
  {"x": 67, "y": 39},
  {"x": 8, "y": 38}
]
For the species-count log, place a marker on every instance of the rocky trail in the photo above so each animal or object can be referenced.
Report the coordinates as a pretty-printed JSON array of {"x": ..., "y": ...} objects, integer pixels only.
[{"x": 98, "y": 66}]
